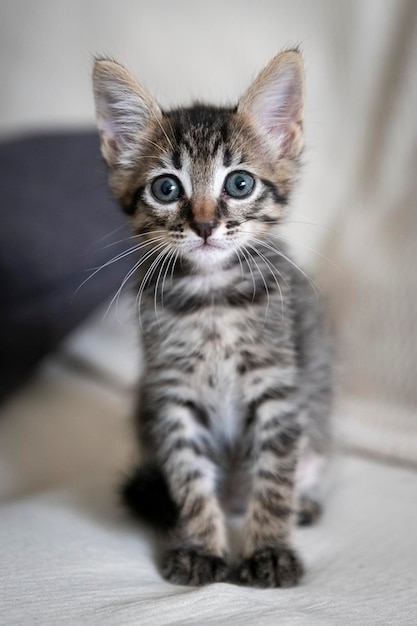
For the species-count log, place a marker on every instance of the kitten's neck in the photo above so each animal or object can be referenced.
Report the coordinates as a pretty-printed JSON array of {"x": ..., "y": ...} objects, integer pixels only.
[
  {"x": 207, "y": 279},
  {"x": 250, "y": 280}
]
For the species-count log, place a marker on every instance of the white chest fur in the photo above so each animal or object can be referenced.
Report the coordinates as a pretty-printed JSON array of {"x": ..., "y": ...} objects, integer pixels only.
[{"x": 216, "y": 376}]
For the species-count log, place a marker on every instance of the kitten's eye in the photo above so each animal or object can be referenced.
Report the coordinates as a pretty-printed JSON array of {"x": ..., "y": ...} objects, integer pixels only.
[
  {"x": 239, "y": 184},
  {"x": 166, "y": 189}
]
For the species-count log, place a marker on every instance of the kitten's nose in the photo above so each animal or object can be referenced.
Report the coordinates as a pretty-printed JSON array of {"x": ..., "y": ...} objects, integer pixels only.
[{"x": 204, "y": 229}]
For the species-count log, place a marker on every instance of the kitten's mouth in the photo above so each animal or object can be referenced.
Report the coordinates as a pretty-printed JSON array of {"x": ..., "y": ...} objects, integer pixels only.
[
  {"x": 212, "y": 249},
  {"x": 207, "y": 252},
  {"x": 207, "y": 245}
]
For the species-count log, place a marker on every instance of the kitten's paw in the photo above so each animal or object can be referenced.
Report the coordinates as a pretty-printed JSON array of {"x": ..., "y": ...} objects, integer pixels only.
[
  {"x": 309, "y": 511},
  {"x": 190, "y": 567},
  {"x": 271, "y": 567}
]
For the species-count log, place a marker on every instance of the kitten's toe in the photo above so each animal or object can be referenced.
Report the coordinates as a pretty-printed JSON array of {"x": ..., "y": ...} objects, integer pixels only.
[
  {"x": 272, "y": 567},
  {"x": 309, "y": 511},
  {"x": 189, "y": 567}
]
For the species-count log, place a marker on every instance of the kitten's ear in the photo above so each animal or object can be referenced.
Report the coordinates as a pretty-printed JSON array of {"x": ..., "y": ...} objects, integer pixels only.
[
  {"x": 124, "y": 110},
  {"x": 274, "y": 104}
]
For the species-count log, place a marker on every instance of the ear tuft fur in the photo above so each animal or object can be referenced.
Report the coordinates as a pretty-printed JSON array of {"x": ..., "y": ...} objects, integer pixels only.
[
  {"x": 274, "y": 104},
  {"x": 124, "y": 111}
]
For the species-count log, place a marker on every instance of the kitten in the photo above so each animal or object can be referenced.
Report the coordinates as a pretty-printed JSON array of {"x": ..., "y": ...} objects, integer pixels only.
[{"x": 235, "y": 397}]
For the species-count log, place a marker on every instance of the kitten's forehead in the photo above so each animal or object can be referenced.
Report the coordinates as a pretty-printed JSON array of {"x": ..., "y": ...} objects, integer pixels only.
[
  {"x": 201, "y": 130},
  {"x": 204, "y": 145}
]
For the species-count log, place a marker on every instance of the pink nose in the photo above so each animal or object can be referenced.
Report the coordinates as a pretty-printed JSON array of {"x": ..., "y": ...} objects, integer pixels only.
[{"x": 203, "y": 229}]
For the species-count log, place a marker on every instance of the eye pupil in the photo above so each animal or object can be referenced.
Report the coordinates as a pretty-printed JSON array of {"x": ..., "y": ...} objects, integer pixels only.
[
  {"x": 166, "y": 189},
  {"x": 239, "y": 184}
]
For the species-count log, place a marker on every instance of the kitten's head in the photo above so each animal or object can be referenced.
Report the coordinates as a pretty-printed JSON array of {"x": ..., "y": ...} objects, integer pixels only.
[{"x": 203, "y": 180}]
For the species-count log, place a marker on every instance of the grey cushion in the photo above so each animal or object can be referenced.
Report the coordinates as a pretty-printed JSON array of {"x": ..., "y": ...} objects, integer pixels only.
[{"x": 55, "y": 210}]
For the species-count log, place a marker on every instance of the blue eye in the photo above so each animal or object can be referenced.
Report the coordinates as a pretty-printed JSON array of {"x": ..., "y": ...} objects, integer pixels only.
[
  {"x": 166, "y": 189},
  {"x": 239, "y": 184}
]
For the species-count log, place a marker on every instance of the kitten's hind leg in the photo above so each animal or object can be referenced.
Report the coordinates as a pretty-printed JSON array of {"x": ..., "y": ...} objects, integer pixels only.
[
  {"x": 309, "y": 479},
  {"x": 147, "y": 496}
]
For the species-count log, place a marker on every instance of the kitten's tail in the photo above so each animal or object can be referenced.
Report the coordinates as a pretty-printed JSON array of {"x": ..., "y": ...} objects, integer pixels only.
[{"x": 146, "y": 494}]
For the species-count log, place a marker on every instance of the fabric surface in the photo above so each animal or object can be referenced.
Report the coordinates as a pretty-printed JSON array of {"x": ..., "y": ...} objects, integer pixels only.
[
  {"x": 70, "y": 555},
  {"x": 373, "y": 292},
  {"x": 58, "y": 222}
]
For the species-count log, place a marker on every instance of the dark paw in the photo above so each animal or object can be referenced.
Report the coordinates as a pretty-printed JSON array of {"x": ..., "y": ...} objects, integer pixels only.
[
  {"x": 272, "y": 567},
  {"x": 189, "y": 567},
  {"x": 309, "y": 511}
]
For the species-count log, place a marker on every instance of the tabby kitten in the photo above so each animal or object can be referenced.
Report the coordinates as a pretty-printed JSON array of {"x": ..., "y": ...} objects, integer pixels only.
[{"x": 235, "y": 396}]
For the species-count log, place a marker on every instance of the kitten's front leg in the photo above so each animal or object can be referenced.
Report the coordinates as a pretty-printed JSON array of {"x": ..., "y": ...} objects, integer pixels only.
[
  {"x": 196, "y": 548},
  {"x": 268, "y": 557}
]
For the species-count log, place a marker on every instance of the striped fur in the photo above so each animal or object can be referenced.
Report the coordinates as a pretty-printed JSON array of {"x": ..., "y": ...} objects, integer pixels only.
[{"x": 235, "y": 398}]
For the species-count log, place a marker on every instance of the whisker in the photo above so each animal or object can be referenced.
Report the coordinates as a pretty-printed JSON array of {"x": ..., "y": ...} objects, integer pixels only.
[
  {"x": 271, "y": 268},
  {"x": 147, "y": 277},
  {"x": 155, "y": 296},
  {"x": 149, "y": 269},
  {"x": 264, "y": 282},
  {"x": 138, "y": 246},
  {"x": 309, "y": 223},
  {"x": 274, "y": 269},
  {"x": 174, "y": 264},
  {"x": 313, "y": 285},
  {"x": 151, "y": 232},
  {"x": 172, "y": 257},
  {"x": 131, "y": 250},
  {"x": 94, "y": 243},
  {"x": 170, "y": 126},
  {"x": 303, "y": 245},
  {"x": 116, "y": 258},
  {"x": 125, "y": 279},
  {"x": 130, "y": 273},
  {"x": 145, "y": 258},
  {"x": 251, "y": 272},
  {"x": 306, "y": 219},
  {"x": 154, "y": 144},
  {"x": 240, "y": 262},
  {"x": 163, "y": 130}
]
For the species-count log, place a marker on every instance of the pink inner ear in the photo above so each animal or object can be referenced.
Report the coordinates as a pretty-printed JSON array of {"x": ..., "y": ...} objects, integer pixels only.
[
  {"x": 108, "y": 126},
  {"x": 279, "y": 106},
  {"x": 107, "y": 121}
]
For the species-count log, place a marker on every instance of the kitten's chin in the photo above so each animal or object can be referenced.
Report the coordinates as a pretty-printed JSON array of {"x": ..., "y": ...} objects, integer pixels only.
[{"x": 208, "y": 256}]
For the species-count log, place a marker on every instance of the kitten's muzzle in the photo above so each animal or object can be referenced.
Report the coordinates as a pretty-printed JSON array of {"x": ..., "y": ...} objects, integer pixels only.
[{"x": 204, "y": 229}]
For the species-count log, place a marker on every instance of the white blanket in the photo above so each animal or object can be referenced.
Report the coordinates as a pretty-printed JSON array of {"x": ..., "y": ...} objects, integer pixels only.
[{"x": 69, "y": 554}]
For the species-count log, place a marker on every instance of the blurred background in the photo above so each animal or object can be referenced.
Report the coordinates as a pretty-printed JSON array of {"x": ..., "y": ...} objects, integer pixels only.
[{"x": 354, "y": 220}]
